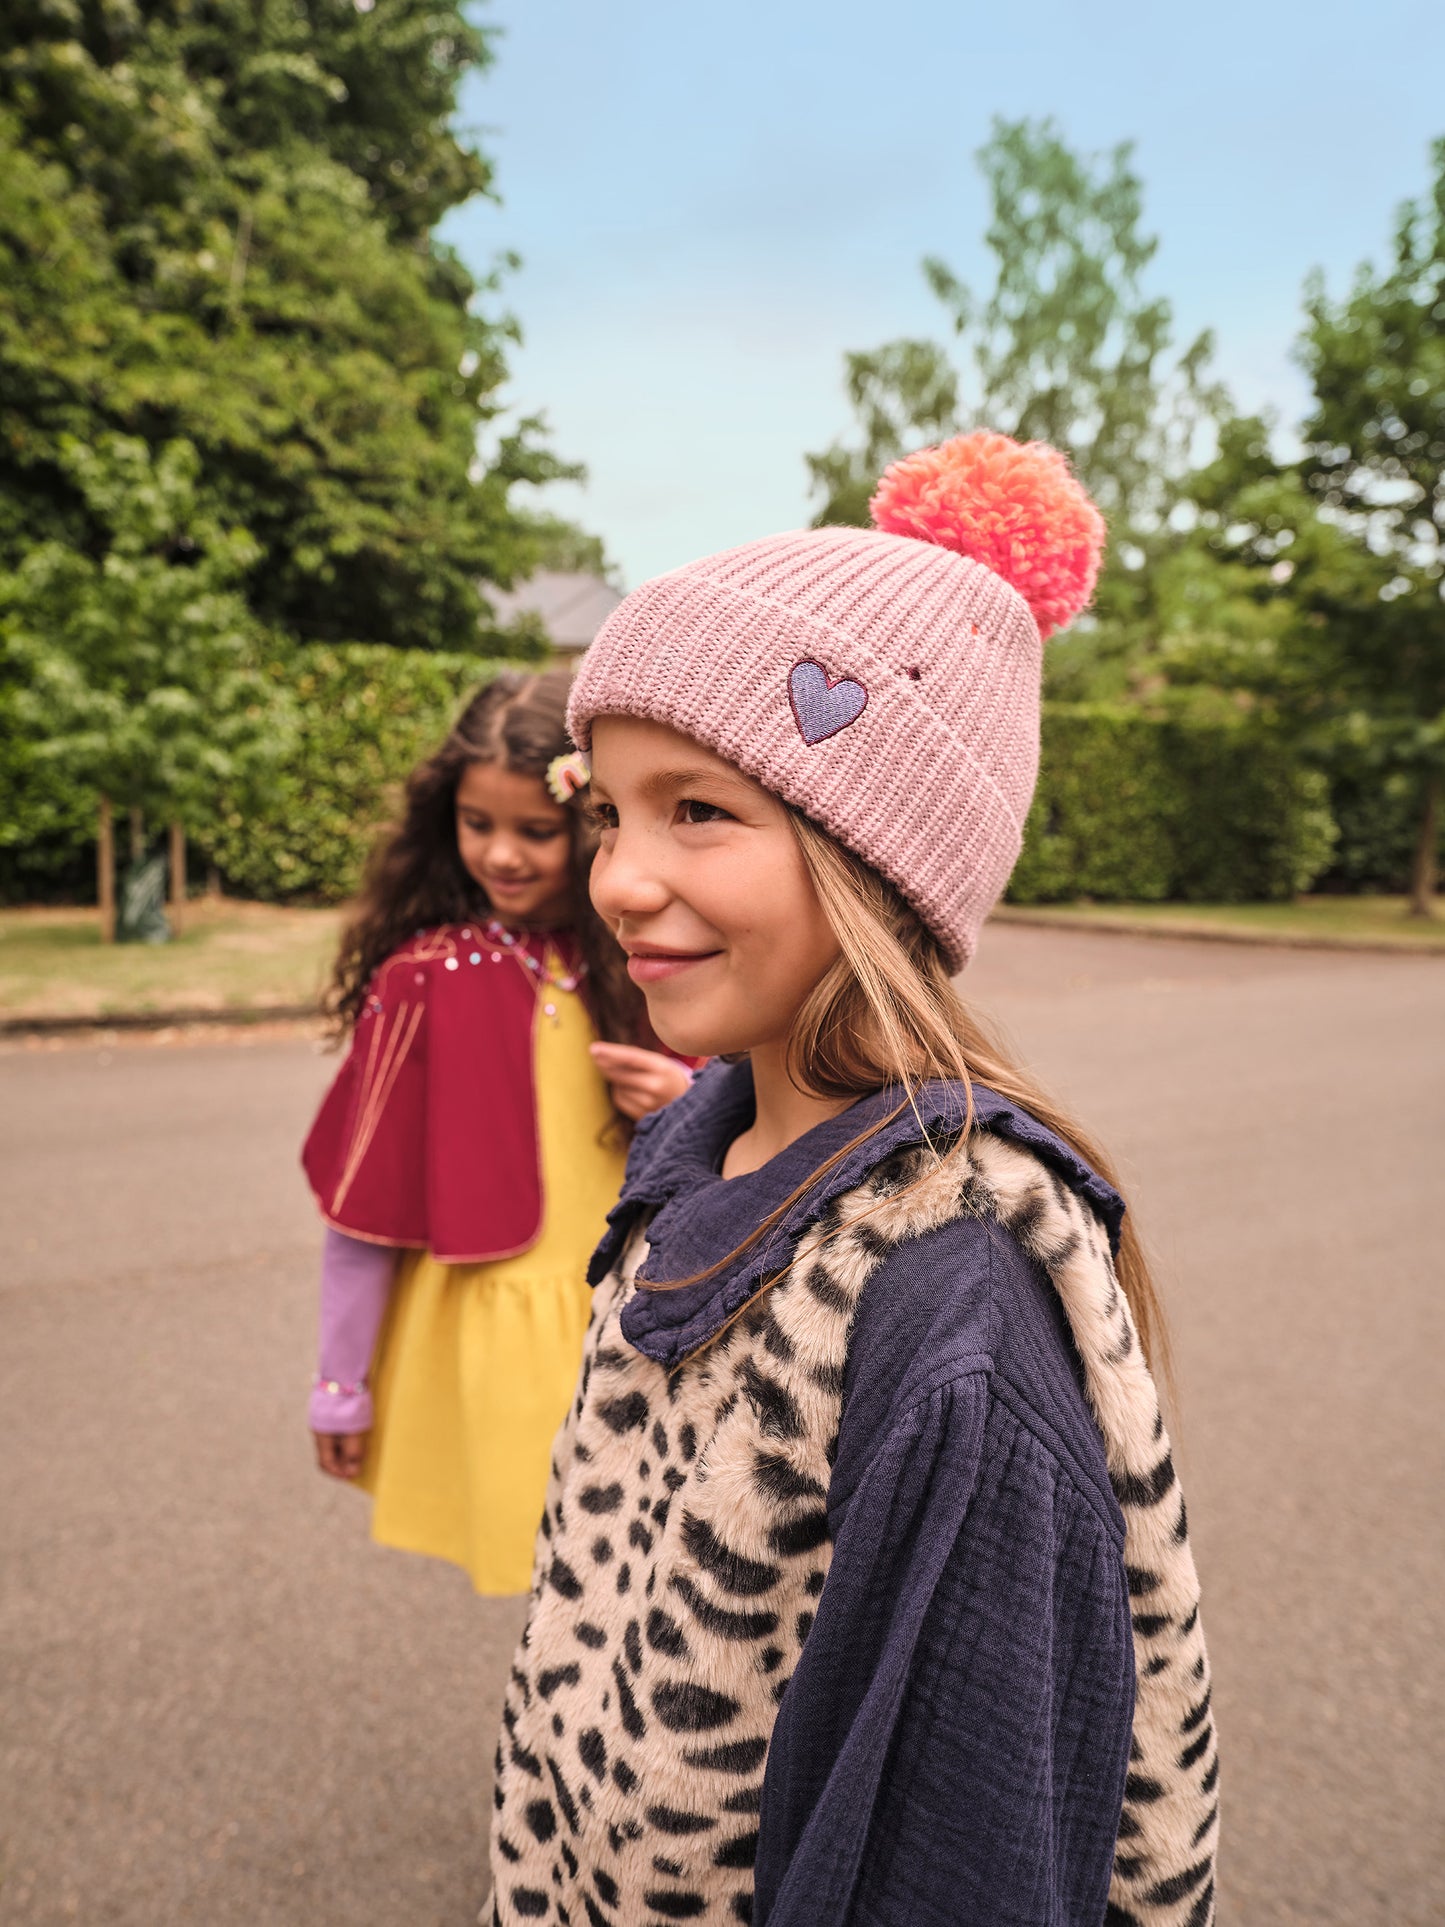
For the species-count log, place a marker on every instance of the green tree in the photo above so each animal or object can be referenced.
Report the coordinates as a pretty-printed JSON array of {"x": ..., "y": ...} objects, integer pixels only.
[
  {"x": 1227, "y": 618},
  {"x": 217, "y": 229},
  {"x": 1068, "y": 347},
  {"x": 1376, "y": 467},
  {"x": 1316, "y": 590},
  {"x": 905, "y": 396},
  {"x": 137, "y": 674}
]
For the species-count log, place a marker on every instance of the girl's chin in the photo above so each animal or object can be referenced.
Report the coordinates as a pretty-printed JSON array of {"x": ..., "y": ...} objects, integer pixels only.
[
  {"x": 688, "y": 1031},
  {"x": 525, "y": 906}
]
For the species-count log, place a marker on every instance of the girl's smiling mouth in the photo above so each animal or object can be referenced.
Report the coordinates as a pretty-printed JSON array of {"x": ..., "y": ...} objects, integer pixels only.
[{"x": 651, "y": 964}]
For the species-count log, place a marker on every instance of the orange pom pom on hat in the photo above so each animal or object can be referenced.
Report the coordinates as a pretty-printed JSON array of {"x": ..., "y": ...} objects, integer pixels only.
[{"x": 884, "y": 681}]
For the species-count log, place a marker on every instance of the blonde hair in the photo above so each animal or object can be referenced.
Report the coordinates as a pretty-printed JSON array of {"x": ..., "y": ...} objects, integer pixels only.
[{"x": 886, "y": 1014}]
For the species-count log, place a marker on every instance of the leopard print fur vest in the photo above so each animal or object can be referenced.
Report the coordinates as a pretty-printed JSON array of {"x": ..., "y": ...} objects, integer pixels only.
[{"x": 685, "y": 1545}]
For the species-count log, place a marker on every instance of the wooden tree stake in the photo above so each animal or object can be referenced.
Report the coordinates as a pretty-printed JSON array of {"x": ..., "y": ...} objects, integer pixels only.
[
  {"x": 105, "y": 870},
  {"x": 178, "y": 876},
  {"x": 1422, "y": 871}
]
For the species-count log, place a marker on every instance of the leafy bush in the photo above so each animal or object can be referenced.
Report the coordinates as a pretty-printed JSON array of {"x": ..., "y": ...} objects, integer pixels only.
[
  {"x": 365, "y": 714},
  {"x": 1136, "y": 809}
]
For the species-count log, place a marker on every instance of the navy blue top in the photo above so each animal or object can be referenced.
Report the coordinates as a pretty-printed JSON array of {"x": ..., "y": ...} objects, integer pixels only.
[{"x": 953, "y": 1744}]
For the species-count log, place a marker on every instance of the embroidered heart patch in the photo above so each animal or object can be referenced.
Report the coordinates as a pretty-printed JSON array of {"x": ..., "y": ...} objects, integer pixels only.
[{"x": 822, "y": 707}]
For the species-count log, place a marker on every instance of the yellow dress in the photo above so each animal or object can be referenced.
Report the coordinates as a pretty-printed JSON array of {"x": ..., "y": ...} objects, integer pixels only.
[{"x": 476, "y": 1364}]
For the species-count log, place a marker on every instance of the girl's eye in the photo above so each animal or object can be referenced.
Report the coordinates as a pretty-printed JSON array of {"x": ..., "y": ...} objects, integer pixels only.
[
  {"x": 542, "y": 832},
  {"x": 696, "y": 811},
  {"x": 600, "y": 816}
]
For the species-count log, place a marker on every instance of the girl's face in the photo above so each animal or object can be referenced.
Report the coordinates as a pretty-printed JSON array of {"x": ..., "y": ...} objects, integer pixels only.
[
  {"x": 700, "y": 879},
  {"x": 515, "y": 842}
]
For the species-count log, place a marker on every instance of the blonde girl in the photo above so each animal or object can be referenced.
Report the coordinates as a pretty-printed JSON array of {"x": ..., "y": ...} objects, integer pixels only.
[{"x": 864, "y": 1591}]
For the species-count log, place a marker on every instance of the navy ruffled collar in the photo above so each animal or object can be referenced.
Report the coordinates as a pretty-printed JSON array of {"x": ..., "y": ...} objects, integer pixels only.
[{"x": 697, "y": 1216}]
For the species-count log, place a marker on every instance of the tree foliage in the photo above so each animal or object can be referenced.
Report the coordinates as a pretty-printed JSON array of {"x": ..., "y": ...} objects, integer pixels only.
[
  {"x": 1309, "y": 595},
  {"x": 216, "y": 231},
  {"x": 905, "y": 396},
  {"x": 1067, "y": 347},
  {"x": 1376, "y": 466},
  {"x": 137, "y": 671},
  {"x": 1316, "y": 590}
]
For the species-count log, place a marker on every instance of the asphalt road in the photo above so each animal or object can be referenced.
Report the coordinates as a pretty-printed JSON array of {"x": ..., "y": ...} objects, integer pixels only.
[{"x": 220, "y": 1704}]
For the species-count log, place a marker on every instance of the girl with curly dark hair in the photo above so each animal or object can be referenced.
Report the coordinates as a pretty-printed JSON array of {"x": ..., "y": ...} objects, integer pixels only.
[{"x": 466, "y": 1156}]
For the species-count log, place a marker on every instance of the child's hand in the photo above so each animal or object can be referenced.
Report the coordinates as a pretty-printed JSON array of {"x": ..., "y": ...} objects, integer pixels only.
[
  {"x": 641, "y": 1080},
  {"x": 339, "y": 1454}
]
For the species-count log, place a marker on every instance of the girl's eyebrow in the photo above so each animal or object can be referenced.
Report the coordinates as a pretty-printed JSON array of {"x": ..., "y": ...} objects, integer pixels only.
[
  {"x": 669, "y": 782},
  {"x": 525, "y": 822}
]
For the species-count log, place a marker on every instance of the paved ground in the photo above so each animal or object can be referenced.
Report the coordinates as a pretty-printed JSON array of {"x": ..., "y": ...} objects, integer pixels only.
[{"x": 223, "y": 1706}]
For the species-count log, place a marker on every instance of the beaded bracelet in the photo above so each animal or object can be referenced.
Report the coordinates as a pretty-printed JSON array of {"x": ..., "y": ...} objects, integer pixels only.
[{"x": 335, "y": 1387}]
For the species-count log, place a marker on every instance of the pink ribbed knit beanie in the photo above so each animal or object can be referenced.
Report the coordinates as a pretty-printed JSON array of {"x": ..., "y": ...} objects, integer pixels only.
[{"x": 884, "y": 681}]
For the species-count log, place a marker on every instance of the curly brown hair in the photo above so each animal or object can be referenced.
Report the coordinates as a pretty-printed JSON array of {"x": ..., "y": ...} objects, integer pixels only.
[{"x": 415, "y": 877}]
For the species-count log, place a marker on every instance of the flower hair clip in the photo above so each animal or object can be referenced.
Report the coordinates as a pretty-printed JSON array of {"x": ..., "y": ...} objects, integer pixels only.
[{"x": 568, "y": 774}]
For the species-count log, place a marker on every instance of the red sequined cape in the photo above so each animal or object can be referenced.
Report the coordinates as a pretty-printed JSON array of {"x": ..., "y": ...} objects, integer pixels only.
[{"x": 428, "y": 1137}]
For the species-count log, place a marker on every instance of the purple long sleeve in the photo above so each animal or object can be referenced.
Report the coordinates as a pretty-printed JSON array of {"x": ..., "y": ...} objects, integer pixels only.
[{"x": 355, "y": 1284}]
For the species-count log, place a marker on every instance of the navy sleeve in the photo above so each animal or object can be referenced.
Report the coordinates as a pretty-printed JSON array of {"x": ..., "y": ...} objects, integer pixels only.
[{"x": 953, "y": 1744}]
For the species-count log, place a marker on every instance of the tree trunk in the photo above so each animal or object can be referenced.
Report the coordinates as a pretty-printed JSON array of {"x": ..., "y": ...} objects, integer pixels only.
[
  {"x": 1422, "y": 874},
  {"x": 178, "y": 876},
  {"x": 105, "y": 871},
  {"x": 137, "y": 834}
]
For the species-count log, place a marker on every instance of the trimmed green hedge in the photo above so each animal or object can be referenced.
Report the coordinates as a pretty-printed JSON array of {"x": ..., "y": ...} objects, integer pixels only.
[
  {"x": 364, "y": 715},
  {"x": 1129, "y": 808},
  {"x": 1379, "y": 819},
  {"x": 356, "y": 717},
  {"x": 1134, "y": 809}
]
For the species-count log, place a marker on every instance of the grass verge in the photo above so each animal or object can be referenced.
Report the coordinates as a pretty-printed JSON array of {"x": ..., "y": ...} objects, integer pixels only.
[
  {"x": 1373, "y": 922},
  {"x": 229, "y": 956},
  {"x": 234, "y": 956}
]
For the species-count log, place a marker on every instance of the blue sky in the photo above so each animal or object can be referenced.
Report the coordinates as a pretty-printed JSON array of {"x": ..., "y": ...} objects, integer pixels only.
[{"x": 713, "y": 204}]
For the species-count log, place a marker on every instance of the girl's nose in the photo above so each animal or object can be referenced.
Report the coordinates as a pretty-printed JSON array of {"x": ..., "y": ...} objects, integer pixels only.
[
  {"x": 504, "y": 854},
  {"x": 624, "y": 883}
]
